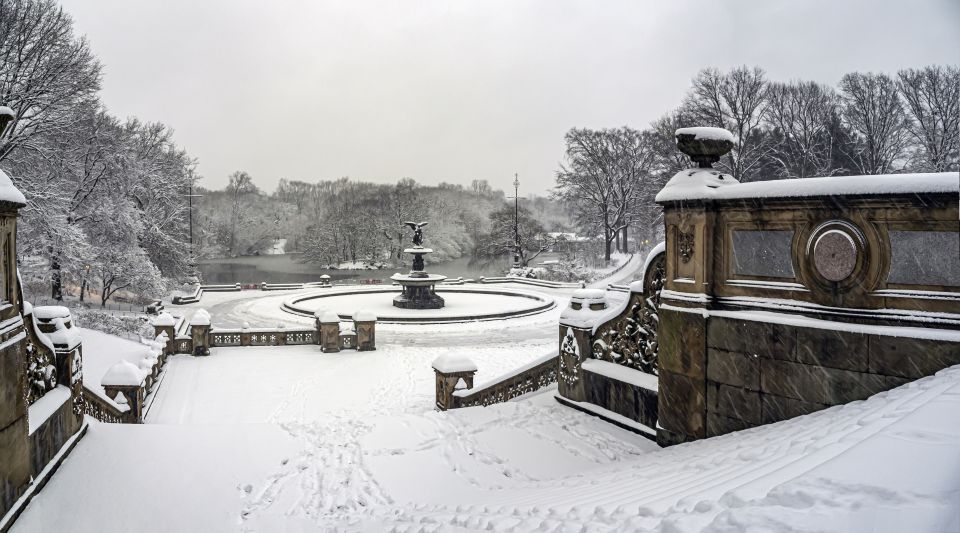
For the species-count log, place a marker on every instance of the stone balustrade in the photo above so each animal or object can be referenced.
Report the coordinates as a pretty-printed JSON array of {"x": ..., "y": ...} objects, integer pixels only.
[{"x": 528, "y": 378}]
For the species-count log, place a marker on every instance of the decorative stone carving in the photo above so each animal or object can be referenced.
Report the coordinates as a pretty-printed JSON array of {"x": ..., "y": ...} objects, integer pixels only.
[
  {"x": 632, "y": 339},
  {"x": 835, "y": 255},
  {"x": 685, "y": 246},
  {"x": 570, "y": 359},
  {"x": 41, "y": 373}
]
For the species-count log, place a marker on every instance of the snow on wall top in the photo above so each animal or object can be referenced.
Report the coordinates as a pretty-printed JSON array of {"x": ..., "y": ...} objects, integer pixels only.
[
  {"x": 164, "y": 319},
  {"x": 123, "y": 373},
  {"x": 707, "y": 133},
  {"x": 9, "y": 192},
  {"x": 49, "y": 312},
  {"x": 454, "y": 363},
  {"x": 588, "y": 295},
  {"x": 4, "y": 110},
  {"x": 691, "y": 185}
]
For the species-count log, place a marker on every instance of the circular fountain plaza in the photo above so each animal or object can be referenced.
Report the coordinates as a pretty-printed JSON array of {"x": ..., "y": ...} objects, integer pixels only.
[{"x": 462, "y": 304}]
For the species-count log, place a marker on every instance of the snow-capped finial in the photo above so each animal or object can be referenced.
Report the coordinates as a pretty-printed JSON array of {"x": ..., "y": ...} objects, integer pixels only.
[{"x": 704, "y": 145}]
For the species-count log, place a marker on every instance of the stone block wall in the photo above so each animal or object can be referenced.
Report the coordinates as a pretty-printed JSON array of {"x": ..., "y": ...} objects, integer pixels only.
[
  {"x": 748, "y": 373},
  {"x": 14, "y": 446},
  {"x": 50, "y": 437},
  {"x": 625, "y": 399}
]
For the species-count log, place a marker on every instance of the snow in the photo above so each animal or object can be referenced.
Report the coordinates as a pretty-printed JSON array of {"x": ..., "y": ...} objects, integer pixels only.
[
  {"x": 888, "y": 463},
  {"x": 329, "y": 317},
  {"x": 46, "y": 405},
  {"x": 4, "y": 110},
  {"x": 63, "y": 337},
  {"x": 50, "y": 312},
  {"x": 707, "y": 133},
  {"x": 122, "y": 373},
  {"x": 790, "y": 319},
  {"x": 9, "y": 192},
  {"x": 364, "y": 316},
  {"x": 164, "y": 319},
  {"x": 200, "y": 318},
  {"x": 622, "y": 373},
  {"x": 101, "y": 351},
  {"x": 693, "y": 184},
  {"x": 449, "y": 363}
]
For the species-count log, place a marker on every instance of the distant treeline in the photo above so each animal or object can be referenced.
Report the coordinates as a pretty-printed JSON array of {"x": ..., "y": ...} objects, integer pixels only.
[{"x": 346, "y": 220}]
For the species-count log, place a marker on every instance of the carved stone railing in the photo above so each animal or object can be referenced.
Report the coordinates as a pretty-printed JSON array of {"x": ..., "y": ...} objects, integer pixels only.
[
  {"x": 262, "y": 337},
  {"x": 102, "y": 410},
  {"x": 528, "y": 378},
  {"x": 631, "y": 337}
]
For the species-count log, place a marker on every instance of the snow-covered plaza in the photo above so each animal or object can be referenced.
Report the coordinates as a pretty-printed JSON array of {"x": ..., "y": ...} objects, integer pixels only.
[{"x": 289, "y": 439}]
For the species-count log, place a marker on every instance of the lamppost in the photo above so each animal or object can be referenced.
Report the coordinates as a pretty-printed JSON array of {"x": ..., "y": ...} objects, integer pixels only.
[
  {"x": 516, "y": 221},
  {"x": 190, "y": 196}
]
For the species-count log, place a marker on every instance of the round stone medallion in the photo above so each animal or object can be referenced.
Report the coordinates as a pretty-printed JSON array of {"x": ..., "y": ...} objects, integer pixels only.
[{"x": 835, "y": 255}]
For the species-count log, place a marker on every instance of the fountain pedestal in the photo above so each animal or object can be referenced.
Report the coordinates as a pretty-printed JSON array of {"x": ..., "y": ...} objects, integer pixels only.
[{"x": 418, "y": 285}]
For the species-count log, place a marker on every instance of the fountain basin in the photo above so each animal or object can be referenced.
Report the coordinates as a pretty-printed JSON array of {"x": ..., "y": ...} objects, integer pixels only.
[{"x": 462, "y": 304}]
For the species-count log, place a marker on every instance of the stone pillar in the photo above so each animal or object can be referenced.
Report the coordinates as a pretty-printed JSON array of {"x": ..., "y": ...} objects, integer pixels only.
[
  {"x": 329, "y": 326},
  {"x": 449, "y": 370},
  {"x": 692, "y": 240},
  {"x": 132, "y": 397},
  {"x": 164, "y": 323},
  {"x": 365, "y": 324},
  {"x": 200, "y": 335}
]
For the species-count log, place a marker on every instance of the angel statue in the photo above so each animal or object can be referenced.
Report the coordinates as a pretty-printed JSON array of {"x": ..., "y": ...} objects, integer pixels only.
[{"x": 417, "y": 232}]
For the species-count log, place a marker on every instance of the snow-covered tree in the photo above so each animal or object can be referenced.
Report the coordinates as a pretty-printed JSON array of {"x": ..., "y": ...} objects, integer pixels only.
[
  {"x": 737, "y": 102},
  {"x": 932, "y": 96},
  {"x": 802, "y": 116},
  {"x": 872, "y": 109}
]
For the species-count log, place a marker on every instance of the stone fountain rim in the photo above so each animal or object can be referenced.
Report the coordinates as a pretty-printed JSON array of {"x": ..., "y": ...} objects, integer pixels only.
[{"x": 547, "y": 303}]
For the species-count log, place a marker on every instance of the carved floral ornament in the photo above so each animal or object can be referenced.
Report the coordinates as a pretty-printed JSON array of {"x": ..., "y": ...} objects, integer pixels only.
[
  {"x": 685, "y": 243},
  {"x": 570, "y": 359},
  {"x": 632, "y": 339}
]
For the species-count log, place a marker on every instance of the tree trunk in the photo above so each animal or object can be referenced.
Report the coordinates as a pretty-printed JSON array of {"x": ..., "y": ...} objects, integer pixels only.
[
  {"x": 56, "y": 280},
  {"x": 626, "y": 243},
  {"x": 606, "y": 236},
  {"x": 83, "y": 288},
  {"x": 104, "y": 294},
  {"x": 617, "y": 234}
]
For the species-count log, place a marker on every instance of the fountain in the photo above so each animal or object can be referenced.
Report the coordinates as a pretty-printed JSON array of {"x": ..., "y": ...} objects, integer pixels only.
[{"x": 418, "y": 285}]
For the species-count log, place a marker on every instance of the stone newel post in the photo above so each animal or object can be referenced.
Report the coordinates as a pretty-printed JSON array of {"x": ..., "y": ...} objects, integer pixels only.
[
  {"x": 329, "y": 326},
  {"x": 587, "y": 307},
  {"x": 123, "y": 383},
  {"x": 164, "y": 323},
  {"x": 365, "y": 323},
  {"x": 449, "y": 370},
  {"x": 200, "y": 332}
]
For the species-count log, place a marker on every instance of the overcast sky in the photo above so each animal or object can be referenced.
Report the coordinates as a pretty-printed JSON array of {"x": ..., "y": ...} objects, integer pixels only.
[{"x": 452, "y": 90}]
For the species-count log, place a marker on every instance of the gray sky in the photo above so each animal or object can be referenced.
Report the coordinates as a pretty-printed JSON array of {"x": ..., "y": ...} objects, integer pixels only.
[{"x": 451, "y": 90}]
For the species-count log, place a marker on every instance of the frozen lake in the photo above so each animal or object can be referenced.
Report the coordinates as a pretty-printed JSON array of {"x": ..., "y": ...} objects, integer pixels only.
[{"x": 287, "y": 268}]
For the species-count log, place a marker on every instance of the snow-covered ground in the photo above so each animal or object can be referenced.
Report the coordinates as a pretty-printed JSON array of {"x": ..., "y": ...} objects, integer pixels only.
[
  {"x": 889, "y": 463},
  {"x": 291, "y": 439},
  {"x": 101, "y": 351}
]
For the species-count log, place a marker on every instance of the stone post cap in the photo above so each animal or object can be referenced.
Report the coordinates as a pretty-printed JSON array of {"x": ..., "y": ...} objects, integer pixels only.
[
  {"x": 200, "y": 318},
  {"x": 329, "y": 317},
  {"x": 122, "y": 374},
  {"x": 164, "y": 319},
  {"x": 450, "y": 364},
  {"x": 363, "y": 315}
]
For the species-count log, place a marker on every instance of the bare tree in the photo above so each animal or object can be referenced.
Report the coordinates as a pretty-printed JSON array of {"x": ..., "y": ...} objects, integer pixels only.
[
  {"x": 932, "y": 95},
  {"x": 872, "y": 109},
  {"x": 241, "y": 184},
  {"x": 800, "y": 115},
  {"x": 45, "y": 71},
  {"x": 735, "y": 101}
]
